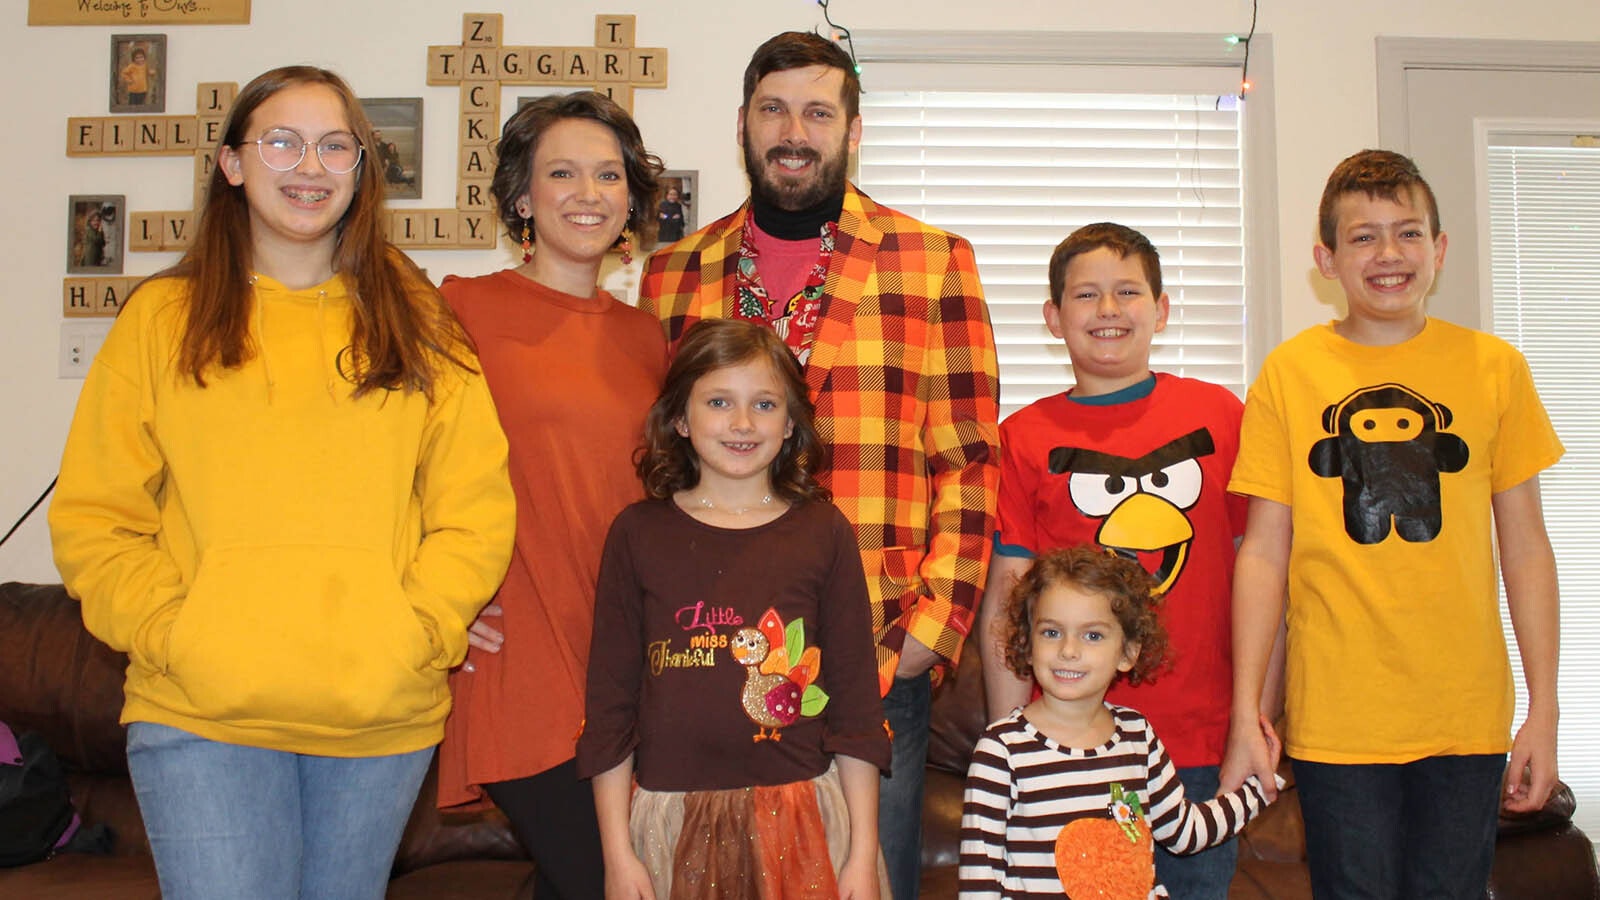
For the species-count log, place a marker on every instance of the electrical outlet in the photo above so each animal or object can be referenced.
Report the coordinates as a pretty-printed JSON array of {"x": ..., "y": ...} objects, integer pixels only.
[{"x": 80, "y": 341}]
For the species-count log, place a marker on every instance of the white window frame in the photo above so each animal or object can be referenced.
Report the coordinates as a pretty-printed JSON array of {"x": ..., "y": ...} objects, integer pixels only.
[{"x": 1139, "y": 63}]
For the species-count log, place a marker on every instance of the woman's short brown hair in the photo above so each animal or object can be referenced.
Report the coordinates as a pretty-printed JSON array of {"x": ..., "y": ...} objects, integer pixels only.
[{"x": 519, "y": 140}]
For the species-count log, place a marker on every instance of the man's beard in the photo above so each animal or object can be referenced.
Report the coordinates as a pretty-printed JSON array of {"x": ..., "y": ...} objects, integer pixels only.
[{"x": 825, "y": 181}]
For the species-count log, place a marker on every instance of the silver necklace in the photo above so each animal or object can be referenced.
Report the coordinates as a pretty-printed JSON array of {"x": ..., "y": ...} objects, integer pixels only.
[{"x": 705, "y": 503}]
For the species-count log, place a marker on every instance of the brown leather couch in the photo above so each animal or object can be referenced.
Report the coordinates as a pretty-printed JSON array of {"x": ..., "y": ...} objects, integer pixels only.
[
  {"x": 59, "y": 681},
  {"x": 1542, "y": 855}
]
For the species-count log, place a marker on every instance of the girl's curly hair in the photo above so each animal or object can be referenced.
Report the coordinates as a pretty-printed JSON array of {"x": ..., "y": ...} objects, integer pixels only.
[{"x": 1123, "y": 582}]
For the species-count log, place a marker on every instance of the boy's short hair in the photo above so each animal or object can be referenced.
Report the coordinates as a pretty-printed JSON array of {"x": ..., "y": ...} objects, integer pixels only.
[
  {"x": 1123, "y": 582},
  {"x": 1379, "y": 174},
  {"x": 1121, "y": 239}
]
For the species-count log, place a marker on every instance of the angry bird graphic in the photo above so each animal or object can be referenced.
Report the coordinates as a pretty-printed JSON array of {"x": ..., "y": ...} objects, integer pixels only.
[
  {"x": 1140, "y": 502},
  {"x": 1388, "y": 447}
]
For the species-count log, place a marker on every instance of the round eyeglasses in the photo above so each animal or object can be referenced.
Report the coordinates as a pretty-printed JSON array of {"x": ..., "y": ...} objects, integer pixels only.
[{"x": 283, "y": 149}]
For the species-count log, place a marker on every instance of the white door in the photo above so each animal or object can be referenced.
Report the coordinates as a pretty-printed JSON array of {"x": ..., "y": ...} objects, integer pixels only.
[{"x": 1428, "y": 115}]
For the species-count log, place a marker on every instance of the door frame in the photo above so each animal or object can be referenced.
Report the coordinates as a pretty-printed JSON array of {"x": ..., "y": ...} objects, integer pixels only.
[
  {"x": 1481, "y": 130},
  {"x": 1398, "y": 54}
]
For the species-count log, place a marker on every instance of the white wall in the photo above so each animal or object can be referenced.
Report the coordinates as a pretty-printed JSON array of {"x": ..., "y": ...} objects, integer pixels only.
[{"x": 1325, "y": 79}]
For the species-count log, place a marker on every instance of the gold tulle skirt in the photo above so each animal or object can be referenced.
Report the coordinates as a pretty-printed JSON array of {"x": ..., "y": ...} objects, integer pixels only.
[{"x": 787, "y": 841}]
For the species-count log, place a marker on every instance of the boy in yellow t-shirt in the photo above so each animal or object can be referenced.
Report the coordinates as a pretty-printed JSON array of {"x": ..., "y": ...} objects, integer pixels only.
[{"x": 1385, "y": 456}]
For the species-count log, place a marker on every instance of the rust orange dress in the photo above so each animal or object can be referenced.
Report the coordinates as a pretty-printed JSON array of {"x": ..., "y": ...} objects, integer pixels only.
[{"x": 572, "y": 378}]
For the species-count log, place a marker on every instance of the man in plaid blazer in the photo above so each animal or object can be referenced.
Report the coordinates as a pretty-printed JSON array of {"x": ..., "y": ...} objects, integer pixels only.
[{"x": 887, "y": 315}]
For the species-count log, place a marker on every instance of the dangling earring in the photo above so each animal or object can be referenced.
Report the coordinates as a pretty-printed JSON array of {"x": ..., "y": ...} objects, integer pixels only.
[
  {"x": 527, "y": 241},
  {"x": 627, "y": 250}
]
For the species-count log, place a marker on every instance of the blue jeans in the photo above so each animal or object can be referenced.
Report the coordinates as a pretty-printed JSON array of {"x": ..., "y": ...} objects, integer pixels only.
[
  {"x": 1207, "y": 874},
  {"x": 228, "y": 822},
  {"x": 1422, "y": 830},
  {"x": 907, "y": 706}
]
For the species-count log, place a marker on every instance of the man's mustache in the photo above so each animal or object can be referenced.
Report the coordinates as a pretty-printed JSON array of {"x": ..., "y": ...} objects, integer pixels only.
[{"x": 806, "y": 153}]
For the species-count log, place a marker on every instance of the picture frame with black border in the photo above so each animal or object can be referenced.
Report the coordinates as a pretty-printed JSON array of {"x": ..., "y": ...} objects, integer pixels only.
[
  {"x": 138, "y": 73},
  {"x": 396, "y": 154},
  {"x": 95, "y": 229}
]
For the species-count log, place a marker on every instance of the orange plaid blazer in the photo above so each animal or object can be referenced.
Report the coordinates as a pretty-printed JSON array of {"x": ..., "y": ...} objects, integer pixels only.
[{"x": 904, "y": 377}]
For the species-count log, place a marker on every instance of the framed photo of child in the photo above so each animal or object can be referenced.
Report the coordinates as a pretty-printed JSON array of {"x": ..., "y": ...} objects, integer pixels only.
[
  {"x": 94, "y": 234},
  {"x": 397, "y": 136},
  {"x": 138, "y": 73}
]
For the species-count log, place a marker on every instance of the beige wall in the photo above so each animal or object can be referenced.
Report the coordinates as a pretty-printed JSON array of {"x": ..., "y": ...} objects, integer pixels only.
[{"x": 1325, "y": 80}]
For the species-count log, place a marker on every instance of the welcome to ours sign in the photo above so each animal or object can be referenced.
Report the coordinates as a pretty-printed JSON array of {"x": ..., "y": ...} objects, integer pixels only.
[{"x": 143, "y": 12}]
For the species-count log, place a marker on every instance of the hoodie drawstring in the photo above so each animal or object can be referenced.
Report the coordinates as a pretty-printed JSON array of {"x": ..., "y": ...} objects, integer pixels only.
[
  {"x": 329, "y": 370},
  {"x": 261, "y": 339}
]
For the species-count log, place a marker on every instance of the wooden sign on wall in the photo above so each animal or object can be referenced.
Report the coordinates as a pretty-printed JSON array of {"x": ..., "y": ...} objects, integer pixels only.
[{"x": 138, "y": 12}]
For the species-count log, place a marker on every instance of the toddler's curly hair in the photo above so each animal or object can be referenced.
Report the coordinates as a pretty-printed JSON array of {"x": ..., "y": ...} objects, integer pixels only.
[{"x": 1122, "y": 581}]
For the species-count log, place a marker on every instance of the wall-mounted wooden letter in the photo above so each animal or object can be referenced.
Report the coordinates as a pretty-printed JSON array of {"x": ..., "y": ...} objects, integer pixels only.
[
  {"x": 578, "y": 63},
  {"x": 476, "y": 230},
  {"x": 149, "y": 135},
  {"x": 481, "y": 65},
  {"x": 210, "y": 129},
  {"x": 546, "y": 65},
  {"x": 441, "y": 226},
  {"x": 481, "y": 29},
  {"x": 183, "y": 133},
  {"x": 614, "y": 31},
  {"x": 444, "y": 65},
  {"x": 144, "y": 232},
  {"x": 75, "y": 297},
  {"x": 477, "y": 128},
  {"x": 212, "y": 98},
  {"x": 613, "y": 65},
  {"x": 117, "y": 134},
  {"x": 480, "y": 97},
  {"x": 473, "y": 193},
  {"x": 516, "y": 65},
  {"x": 83, "y": 135},
  {"x": 649, "y": 66}
]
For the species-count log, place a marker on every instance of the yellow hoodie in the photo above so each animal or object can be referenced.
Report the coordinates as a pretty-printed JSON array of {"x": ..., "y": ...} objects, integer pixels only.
[{"x": 286, "y": 567}]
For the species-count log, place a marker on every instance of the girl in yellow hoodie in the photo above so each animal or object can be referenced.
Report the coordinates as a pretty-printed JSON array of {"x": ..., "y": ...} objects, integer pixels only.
[{"x": 284, "y": 495}]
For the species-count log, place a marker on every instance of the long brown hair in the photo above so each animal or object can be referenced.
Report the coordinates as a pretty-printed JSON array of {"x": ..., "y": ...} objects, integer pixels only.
[
  {"x": 668, "y": 464},
  {"x": 402, "y": 331}
]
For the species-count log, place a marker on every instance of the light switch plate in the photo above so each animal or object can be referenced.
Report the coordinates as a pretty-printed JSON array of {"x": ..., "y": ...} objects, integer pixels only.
[{"x": 80, "y": 341}]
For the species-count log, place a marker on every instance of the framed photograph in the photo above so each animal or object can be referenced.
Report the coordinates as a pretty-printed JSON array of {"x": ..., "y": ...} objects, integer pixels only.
[
  {"x": 675, "y": 216},
  {"x": 396, "y": 153},
  {"x": 138, "y": 73},
  {"x": 94, "y": 234}
]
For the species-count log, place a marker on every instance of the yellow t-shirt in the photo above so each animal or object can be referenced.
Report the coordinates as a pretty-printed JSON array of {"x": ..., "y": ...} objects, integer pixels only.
[{"x": 1388, "y": 458}]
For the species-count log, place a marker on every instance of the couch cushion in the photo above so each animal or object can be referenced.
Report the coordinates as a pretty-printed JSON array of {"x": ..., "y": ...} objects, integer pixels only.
[{"x": 58, "y": 679}]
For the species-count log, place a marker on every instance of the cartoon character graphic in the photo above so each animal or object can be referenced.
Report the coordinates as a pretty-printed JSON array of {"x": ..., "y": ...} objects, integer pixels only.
[
  {"x": 1108, "y": 856},
  {"x": 779, "y": 671},
  {"x": 1140, "y": 501},
  {"x": 1389, "y": 449}
]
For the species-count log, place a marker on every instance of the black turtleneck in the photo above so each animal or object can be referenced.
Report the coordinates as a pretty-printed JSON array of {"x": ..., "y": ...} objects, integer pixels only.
[{"x": 795, "y": 225}]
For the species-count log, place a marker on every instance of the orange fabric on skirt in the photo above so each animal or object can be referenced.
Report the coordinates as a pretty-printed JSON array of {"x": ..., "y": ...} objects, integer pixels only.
[{"x": 760, "y": 843}]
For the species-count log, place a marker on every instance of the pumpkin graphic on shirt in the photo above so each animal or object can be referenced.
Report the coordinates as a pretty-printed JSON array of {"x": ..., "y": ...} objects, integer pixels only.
[
  {"x": 779, "y": 674},
  {"x": 1108, "y": 856}
]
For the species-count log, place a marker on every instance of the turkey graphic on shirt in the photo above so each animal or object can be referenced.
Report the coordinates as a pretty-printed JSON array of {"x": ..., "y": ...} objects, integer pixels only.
[{"x": 1140, "y": 502}]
